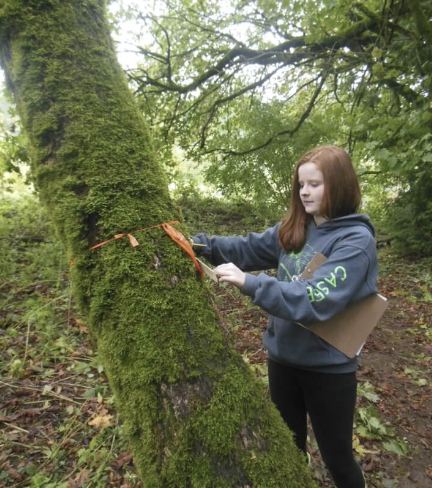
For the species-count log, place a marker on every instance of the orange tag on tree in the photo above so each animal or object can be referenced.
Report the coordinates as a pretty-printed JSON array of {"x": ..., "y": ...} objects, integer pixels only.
[
  {"x": 174, "y": 234},
  {"x": 132, "y": 240},
  {"x": 181, "y": 241}
]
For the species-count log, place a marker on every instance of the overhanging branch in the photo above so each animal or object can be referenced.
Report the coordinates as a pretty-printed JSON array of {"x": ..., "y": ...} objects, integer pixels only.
[
  {"x": 289, "y": 52},
  {"x": 286, "y": 132}
]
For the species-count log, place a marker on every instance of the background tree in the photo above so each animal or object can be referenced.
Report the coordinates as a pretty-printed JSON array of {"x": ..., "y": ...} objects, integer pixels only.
[
  {"x": 356, "y": 74},
  {"x": 195, "y": 416}
]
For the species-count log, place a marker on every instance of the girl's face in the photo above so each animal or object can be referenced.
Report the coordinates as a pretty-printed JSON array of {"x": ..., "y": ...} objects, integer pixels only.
[{"x": 311, "y": 181}]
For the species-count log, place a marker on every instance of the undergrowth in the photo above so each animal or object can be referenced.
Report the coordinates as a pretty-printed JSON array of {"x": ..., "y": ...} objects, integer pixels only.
[{"x": 58, "y": 425}]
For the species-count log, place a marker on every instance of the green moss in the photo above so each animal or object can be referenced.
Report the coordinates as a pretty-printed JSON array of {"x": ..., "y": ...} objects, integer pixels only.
[{"x": 194, "y": 413}]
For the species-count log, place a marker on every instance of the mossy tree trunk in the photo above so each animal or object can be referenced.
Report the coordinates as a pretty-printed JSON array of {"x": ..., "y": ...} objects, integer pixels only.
[{"x": 194, "y": 414}]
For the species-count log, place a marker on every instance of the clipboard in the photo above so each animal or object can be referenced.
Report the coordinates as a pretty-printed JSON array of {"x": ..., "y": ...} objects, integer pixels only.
[
  {"x": 348, "y": 330},
  {"x": 208, "y": 271}
]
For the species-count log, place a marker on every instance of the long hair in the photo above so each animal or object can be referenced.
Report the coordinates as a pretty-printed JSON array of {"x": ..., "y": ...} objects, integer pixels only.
[{"x": 341, "y": 196}]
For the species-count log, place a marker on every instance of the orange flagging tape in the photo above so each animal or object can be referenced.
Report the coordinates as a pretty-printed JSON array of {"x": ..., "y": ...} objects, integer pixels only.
[
  {"x": 132, "y": 240},
  {"x": 181, "y": 241},
  {"x": 174, "y": 234}
]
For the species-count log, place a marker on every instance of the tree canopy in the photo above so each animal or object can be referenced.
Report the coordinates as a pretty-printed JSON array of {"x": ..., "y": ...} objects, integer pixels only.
[{"x": 247, "y": 86}]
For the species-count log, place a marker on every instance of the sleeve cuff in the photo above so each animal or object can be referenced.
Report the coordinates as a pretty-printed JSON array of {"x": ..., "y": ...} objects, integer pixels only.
[{"x": 250, "y": 285}]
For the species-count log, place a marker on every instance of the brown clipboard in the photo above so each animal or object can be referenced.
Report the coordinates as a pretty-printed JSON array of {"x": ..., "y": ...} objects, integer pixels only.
[
  {"x": 208, "y": 271},
  {"x": 348, "y": 330}
]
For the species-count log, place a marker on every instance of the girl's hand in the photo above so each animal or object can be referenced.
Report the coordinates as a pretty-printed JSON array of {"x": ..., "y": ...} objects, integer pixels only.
[{"x": 231, "y": 274}]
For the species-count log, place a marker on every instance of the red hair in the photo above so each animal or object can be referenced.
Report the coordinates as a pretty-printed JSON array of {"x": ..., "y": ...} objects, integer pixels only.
[{"x": 341, "y": 197}]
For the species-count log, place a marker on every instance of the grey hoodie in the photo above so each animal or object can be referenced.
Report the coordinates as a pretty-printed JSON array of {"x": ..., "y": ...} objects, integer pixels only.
[{"x": 348, "y": 275}]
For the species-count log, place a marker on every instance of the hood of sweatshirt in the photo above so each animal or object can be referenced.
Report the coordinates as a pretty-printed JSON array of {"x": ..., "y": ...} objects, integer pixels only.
[{"x": 351, "y": 220}]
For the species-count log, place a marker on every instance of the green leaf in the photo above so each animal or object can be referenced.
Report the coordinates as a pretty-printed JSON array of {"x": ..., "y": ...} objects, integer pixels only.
[
  {"x": 31, "y": 469},
  {"x": 397, "y": 446},
  {"x": 91, "y": 393},
  {"x": 367, "y": 390}
]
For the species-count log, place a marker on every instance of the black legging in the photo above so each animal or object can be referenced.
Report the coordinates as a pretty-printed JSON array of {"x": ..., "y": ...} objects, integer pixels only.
[{"x": 330, "y": 400}]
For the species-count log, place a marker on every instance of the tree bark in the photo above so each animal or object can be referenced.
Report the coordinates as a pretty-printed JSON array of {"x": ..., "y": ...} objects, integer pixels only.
[{"x": 194, "y": 414}]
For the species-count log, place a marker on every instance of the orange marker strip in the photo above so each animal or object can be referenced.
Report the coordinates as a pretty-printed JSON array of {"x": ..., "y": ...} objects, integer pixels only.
[
  {"x": 132, "y": 240},
  {"x": 174, "y": 234},
  {"x": 181, "y": 241}
]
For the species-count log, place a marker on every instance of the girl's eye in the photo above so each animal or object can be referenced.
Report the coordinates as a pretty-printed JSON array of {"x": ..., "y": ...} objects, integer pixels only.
[{"x": 314, "y": 185}]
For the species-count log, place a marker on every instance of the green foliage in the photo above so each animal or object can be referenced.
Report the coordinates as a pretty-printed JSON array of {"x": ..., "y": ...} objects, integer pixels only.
[
  {"x": 32, "y": 270},
  {"x": 398, "y": 446},
  {"x": 416, "y": 376},
  {"x": 409, "y": 219},
  {"x": 26, "y": 248},
  {"x": 215, "y": 215},
  {"x": 367, "y": 390},
  {"x": 249, "y": 87},
  {"x": 13, "y": 152},
  {"x": 43, "y": 349},
  {"x": 265, "y": 176},
  {"x": 370, "y": 426}
]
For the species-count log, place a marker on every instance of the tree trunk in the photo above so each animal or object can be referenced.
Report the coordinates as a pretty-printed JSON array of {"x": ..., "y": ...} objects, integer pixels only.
[{"x": 194, "y": 413}]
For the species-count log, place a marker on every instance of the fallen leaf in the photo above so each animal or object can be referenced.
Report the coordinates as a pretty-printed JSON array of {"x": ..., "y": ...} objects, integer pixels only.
[
  {"x": 123, "y": 458},
  {"x": 101, "y": 421},
  {"x": 79, "y": 479},
  {"x": 15, "y": 475}
]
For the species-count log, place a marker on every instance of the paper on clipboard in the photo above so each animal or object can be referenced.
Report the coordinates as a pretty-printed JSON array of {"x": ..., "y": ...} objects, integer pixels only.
[
  {"x": 208, "y": 271},
  {"x": 348, "y": 330}
]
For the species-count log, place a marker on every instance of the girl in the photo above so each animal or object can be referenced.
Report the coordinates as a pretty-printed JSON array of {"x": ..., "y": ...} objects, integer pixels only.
[{"x": 306, "y": 374}]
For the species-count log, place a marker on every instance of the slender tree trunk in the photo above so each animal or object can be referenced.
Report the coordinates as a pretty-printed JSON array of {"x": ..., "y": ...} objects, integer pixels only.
[{"x": 194, "y": 414}]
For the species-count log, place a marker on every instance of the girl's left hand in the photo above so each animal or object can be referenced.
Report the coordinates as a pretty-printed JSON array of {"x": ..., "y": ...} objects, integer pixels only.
[{"x": 231, "y": 274}]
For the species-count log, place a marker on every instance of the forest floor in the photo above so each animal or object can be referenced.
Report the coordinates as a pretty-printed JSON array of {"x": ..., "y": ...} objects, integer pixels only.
[{"x": 58, "y": 427}]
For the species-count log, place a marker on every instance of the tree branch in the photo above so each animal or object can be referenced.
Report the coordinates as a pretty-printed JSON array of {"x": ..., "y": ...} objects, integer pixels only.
[
  {"x": 290, "y": 132},
  {"x": 230, "y": 98},
  {"x": 288, "y": 53}
]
